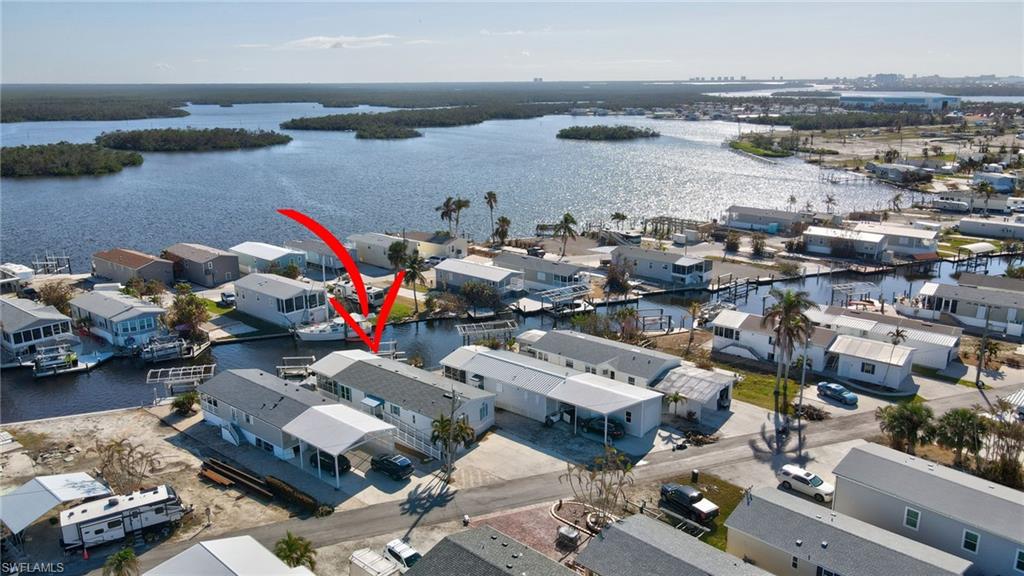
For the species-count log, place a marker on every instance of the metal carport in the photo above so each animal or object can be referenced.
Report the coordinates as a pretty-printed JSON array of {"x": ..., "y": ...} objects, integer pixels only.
[
  {"x": 604, "y": 396},
  {"x": 336, "y": 429},
  {"x": 30, "y": 501}
]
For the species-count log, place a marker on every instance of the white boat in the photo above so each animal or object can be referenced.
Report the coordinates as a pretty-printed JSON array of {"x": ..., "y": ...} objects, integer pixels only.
[{"x": 336, "y": 329}]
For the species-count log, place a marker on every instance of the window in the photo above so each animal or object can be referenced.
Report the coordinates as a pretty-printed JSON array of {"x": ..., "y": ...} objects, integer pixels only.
[
  {"x": 1018, "y": 562},
  {"x": 98, "y": 531},
  {"x": 629, "y": 416},
  {"x": 911, "y": 518},
  {"x": 248, "y": 419},
  {"x": 794, "y": 562},
  {"x": 568, "y": 363},
  {"x": 631, "y": 380},
  {"x": 867, "y": 367},
  {"x": 114, "y": 524},
  {"x": 345, "y": 392},
  {"x": 970, "y": 542},
  {"x": 825, "y": 572},
  {"x": 396, "y": 410},
  {"x": 484, "y": 410}
]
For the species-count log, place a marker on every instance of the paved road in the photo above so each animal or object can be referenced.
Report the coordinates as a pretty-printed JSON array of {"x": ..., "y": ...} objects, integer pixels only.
[{"x": 421, "y": 509}]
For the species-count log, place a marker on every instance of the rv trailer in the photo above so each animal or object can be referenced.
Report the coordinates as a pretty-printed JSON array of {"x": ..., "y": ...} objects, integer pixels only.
[{"x": 109, "y": 519}]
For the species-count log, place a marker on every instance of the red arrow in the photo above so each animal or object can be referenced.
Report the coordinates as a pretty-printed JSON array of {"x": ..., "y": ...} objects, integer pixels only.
[{"x": 357, "y": 282}]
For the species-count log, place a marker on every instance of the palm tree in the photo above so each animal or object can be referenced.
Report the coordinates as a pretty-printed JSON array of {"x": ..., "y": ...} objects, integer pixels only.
[
  {"x": 986, "y": 190},
  {"x": 897, "y": 336},
  {"x": 985, "y": 349},
  {"x": 675, "y": 398},
  {"x": 566, "y": 230},
  {"x": 396, "y": 254},
  {"x": 961, "y": 429},
  {"x": 907, "y": 425},
  {"x": 808, "y": 206},
  {"x": 619, "y": 218},
  {"x": 450, "y": 438},
  {"x": 791, "y": 201},
  {"x": 694, "y": 311},
  {"x": 413, "y": 266},
  {"x": 458, "y": 206},
  {"x": 896, "y": 202},
  {"x": 295, "y": 551},
  {"x": 628, "y": 319},
  {"x": 830, "y": 202},
  {"x": 786, "y": 317},
  {"x": 491, "y": 198},
  {"x": 447, "y": 210},
  {"x": 121, "y": 563},
  {"x": 501, "y": 232}
]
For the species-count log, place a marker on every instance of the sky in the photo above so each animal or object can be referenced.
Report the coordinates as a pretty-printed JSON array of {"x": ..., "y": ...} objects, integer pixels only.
[{"x": 200, "y": 42}]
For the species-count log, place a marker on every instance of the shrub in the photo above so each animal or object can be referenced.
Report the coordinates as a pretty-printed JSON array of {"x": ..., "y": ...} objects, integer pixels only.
[
  {"x": 183, "y": 403},
  {"x": 732, "y": 242}
]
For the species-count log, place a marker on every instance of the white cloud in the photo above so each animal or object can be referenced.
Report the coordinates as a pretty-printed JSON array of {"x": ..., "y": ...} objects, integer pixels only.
[
  {"x": 163, "y": 66},
  {"x": 252, "y": 46},
  {"x": 329, "y": 42},
  {"x": 421, "y": 41},
  {"x": 525, "y": 53},
  {"x": 486, "y": 32}
]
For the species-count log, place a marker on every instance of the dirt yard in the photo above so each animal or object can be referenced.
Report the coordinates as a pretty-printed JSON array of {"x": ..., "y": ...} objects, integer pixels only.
[{"x": 64, "y": 445}]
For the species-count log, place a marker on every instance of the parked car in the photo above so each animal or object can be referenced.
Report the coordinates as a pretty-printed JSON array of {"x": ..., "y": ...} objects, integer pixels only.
[
  {"x": 837, "y": 392},
  {"x": 400, "y": 552},
  {"x": 689, "y": 502},
  {"x": 227, "y": 299},
  {"x": 796, "y": 478},
  {"x": 596, "y": 425},
  {"x": 327, "y": 463},
  {"x": 396, "y": 466}
]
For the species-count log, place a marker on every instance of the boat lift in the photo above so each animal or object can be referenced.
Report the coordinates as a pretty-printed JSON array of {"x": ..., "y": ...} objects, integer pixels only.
[
  {"x": 179, "y": 378},
  {"x": 295, "y": 367},
  {"x": 502, "y": 329},
  {"x": 563, "y": 297}
]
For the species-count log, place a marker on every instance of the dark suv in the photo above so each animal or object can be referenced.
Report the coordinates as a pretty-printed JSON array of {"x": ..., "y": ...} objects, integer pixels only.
[
  {"x": 689, "y": 502},
  {"x": 327, "y": 463},
  {"x": 596, "y": 425},
  {"x": 396, "y": 466}
]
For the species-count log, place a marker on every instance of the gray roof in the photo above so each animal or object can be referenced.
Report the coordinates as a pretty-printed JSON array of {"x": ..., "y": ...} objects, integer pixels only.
[
  {"x": 196, "y": 252},
  {"x": 694, "y": 383},
  {"x": 310, "y": 246},
  {"x": 782, "y": 215},
  {"x": 968, "y": 293},
  {"x": 843, "y": 544},
  {"x": 485, "y": 552},
  {"x": 274, "y": 285},
  {"x": 523, "y": 262},
  {"x": 991, "y": 282},
  {"x": 663, "y": 256},
  {"x": 625, "y": 358},
  {"x": 396, "y": 382},
  {"x": 18, "y": 314},
  {"x": 114, "y": 305},
  {"x": 642, "y": 546},
  {"x": 264, "y": 396},
  {"x": 508, "y": 367},
  {"x": 986, "y": 505}
]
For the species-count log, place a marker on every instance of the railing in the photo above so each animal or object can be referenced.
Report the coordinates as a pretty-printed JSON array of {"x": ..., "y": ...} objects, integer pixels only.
[{"x": 412, "y": 437}]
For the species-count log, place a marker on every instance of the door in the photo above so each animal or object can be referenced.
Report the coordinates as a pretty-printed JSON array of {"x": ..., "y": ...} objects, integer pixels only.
[{"x": 134, "y": 521}]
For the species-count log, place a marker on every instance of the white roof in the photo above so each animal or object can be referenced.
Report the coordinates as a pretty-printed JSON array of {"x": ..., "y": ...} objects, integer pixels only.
[
  {"x": 600, "y": 394},
  {"x": 844, "y": 233},
  {"x": 262, "y": 250},
  {"x": 873, "y": 350},
  {"x": 530, "y": 336},
  {"x": 28, "y": 502},
  {"x": 894, "y": 230},
  {"x": 106, "y": 506},
  {"x": 335, "y": 428},
  {"x": 508, "y": 367},
  {"x": 854, "y": 323},
  {"x": 694, "y": 383},
  {"x": 730, "y": 319},
  {"x": 483, "y": 271},
  {"x": 238, "y": 556},
  {"x": 979, "y": 247},
  {"x": 274, "y": 285}
]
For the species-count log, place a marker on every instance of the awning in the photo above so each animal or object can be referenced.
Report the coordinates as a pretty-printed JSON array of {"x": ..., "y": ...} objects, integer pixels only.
[
  {"x": 371, "y": 401},
  {"x": 33, "y": 499},
  {"x": 336, "y": 428},
  {"x": 599, "y": 394},
  {"x": 695, "y": 384}
]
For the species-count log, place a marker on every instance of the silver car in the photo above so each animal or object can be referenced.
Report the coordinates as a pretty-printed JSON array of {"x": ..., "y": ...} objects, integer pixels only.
[{"x": 793, "y": 477}]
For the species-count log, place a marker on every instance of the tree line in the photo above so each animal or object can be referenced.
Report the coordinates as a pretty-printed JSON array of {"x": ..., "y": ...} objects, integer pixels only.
[
  {"x": 619, "y": 132},
  {"x": 64, "y": 159},
  {"x": 850, "y": 120},
  {"x": 190, "y": 139}
]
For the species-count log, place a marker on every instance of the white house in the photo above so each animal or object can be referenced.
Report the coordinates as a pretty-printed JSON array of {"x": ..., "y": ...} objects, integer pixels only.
[
  {"x": 870, "y": 361},
  {"x": 935, "y": 345},
  {"x": 664, "y": 266},
  {"x": 539, "y": 390},
  {"x": 237, "y": 556},
  {"x": 958, "y": 513},
  {"x": 996, "y": 227},
  {"x": 615, "y": 360},
  {"x": 453, "y": 273},
  {"x": 409, "y": 398},
  {"x": 1002, "y": 183},
  {"x": 26, "y": 325},
  {"x": 541, "y": 273},
  {"x": 792, "y": 536},
  {"x": 372, "y": 247},
  {"x": 978, "y": 300},
  {"x": 842, "y": 242},
  {"x": 903, "y": 240},
  {"x": 742, "y": 334},
  {"x": 281, "y": 300},
  {"x": 256, "y": 257},
  {"x": 117, "y": 318},
  {"x": 767, "y": 220}
]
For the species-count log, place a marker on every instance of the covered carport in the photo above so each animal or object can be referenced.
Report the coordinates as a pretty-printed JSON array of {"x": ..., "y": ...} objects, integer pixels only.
[
  {"x": 32, "y": 500},
  {"x": 335, "y": 429},
  {"x": 702, "y": 390},
  {"x": 637, "y": 407}
]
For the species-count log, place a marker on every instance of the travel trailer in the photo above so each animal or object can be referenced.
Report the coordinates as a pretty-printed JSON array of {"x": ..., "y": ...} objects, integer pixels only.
[{"x": 109, "y": 519}]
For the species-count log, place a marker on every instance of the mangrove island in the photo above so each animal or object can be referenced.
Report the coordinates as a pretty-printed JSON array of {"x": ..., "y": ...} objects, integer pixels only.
[
  {"x": 190, "y": 139},
  {"x": 619, "y": 132},
  {"x": 64, "y": 159}
]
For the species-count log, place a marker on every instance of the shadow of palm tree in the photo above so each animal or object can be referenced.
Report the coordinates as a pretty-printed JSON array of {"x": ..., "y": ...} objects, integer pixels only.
[
  {"x": 424, "y": 498},
  {"x": 791, "y": 448}
]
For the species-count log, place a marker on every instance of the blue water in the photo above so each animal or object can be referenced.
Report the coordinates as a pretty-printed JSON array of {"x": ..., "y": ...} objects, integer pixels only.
[{"x": 223, "y": 198}]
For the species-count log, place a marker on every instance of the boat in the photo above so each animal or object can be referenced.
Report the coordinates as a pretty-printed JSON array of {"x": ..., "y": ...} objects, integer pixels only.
[
  {"x": 64, "y": 359},
  {"x": 336, "y": 329}
]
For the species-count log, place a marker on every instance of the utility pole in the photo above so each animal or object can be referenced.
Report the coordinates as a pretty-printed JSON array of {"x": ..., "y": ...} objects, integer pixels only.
[
  {"x": 800, "y": 403},
  {"x": 451, "y": 440},
  {"x": 981, "y": 351}
]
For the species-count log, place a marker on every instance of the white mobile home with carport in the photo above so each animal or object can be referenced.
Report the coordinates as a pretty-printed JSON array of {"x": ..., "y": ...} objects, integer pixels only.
[
  {"x": 119, "y": 319},
  {"x": 637, "y": 408},
  {"x": 541, "y": 273},
  {"x": 706, "y": 392},
  {"x": 452, "y": 274},
  {"x": 742, "y": 334},
  {"x": 935, "y": 345}
]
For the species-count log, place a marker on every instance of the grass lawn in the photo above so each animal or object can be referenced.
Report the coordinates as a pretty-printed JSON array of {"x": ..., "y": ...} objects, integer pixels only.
[
  {"x": 262, "y": 327},
  {"x": 757, "y": 387},
  {"x": 402, "y": 309},
  {"x": 751, "y": 149},
  {"x": 214, "y": 308},
  {"x": 723, "y": 493}
]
